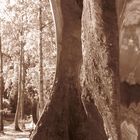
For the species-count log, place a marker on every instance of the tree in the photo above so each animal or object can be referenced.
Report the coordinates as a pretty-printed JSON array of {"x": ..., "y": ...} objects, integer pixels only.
[
  {"x": 41, "y": 95},
  {"x": 101, "y": 61},
  {"x": 64, "y": 117},
  {"x": 67, "y": 117},
  {"x": 23, "y": 85},
  {"x": 23, "y": 14},
  {"x": 23, "y": 80},
  {"x": 1, "y": 87},
  {"x": 19, "y": 100}
]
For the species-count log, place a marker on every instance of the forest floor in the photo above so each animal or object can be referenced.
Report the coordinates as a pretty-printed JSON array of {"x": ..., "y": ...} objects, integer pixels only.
[{"x": 11, "y": 134}]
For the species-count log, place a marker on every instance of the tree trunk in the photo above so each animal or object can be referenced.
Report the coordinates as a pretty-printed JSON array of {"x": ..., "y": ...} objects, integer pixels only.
[
  {"x": 1, "y": 88},
  {"x": 64, "y": 118},
  {"x": 19, "y": 100},
  {"x": 23, "y": 87},
  {"x": 41, "y": 95},
  {"x": 34, "y": 111},
  {"x": 23, "y": 68},
  {"x": 101, "y": 62}
]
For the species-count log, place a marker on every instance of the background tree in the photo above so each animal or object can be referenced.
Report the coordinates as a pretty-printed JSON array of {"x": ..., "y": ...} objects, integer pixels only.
[
  {"x": 41, "y": 94},
  {"x": 19, "y": 101},
  {"x": 129, "y": 69},
  {"x": 11, "y": 14}
]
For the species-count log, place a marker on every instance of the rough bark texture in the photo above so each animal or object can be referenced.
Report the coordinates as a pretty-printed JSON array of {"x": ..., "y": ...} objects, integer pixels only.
[
  {"x": 64, "y": 118},
  {"x": 1, "y": 88},
  {"x": 101, "y": 57}
]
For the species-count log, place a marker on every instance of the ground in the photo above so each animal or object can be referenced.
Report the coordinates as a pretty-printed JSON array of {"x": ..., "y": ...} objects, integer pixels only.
[{"x": 10, "y": 134}]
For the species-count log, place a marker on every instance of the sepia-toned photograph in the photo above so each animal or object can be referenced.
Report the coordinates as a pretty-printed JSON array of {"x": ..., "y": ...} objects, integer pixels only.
[{"x": 69, "y": 69}]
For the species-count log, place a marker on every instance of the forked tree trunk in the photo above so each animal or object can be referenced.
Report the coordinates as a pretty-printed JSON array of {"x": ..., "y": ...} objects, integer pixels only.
[
  {"x": 101, "y": 61},
  {"x": 64, "y": 118}
]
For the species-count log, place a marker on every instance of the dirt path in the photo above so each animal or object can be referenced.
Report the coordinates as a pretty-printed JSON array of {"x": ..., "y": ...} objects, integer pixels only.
[{"x": 10, "y": 134}]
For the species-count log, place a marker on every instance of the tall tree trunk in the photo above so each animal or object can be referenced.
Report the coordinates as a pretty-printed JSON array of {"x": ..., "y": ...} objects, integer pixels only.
[
  {"x": 64, "y": 118},
  {"x": 1, "y": 88},
  {"x": 101, "y": 61},
  {"x": 19, "y": 100},
  {"x": 23, "y": 68},
  {"x": 23, "y": 87},
  {"x": 41, "y": 95}
]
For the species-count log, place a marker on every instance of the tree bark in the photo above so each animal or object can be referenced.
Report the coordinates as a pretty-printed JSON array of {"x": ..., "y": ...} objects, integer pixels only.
[
  {"x": 34, "y": 111},
  {"x": 23, "y": 87},
  {"x": 1, "y": 88},
  {"x": 19, "y": 100},
  {"x": 64, "y": 118},
  {"x": 67, "y": 117},
  {"x": 101, "y": 62},
  {"x": 41, "y": 95}
]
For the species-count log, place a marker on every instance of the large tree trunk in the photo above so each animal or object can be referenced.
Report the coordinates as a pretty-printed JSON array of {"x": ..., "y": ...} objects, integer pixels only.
[
  {"x": 64, "y": 118},
  {"x": 101, "y": 61}
]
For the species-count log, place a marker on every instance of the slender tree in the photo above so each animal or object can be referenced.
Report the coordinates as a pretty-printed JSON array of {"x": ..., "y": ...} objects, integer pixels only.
[
  {"x": 21, "y": 80},
  {"x": 19, "y": 100},
  {"x": 23, "y": 66},
  {"x": 41, "y": 95},
  {"x": 23, "y": 87}
]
